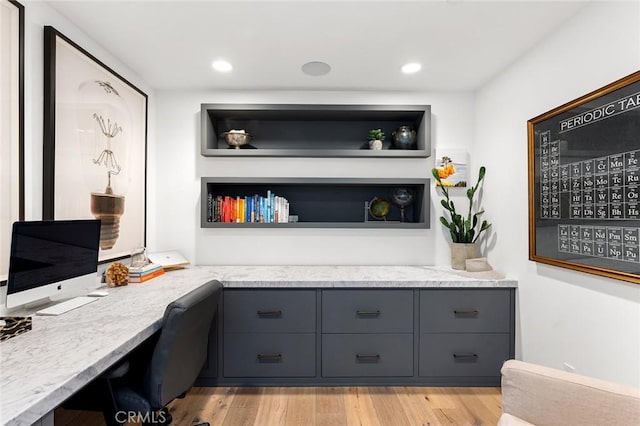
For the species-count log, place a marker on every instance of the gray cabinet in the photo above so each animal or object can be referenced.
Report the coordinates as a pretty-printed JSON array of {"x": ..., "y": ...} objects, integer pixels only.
[
  {"x": 269, "y": 333},
  {"x": 367, "y": 311},
  {"x": 269, "y": 355},
  {"x": 465, "y": 332},
  {"x": 366, "y": 336},
  {"x": 270, "y": 311},
  {"x": 367, "y": 355},
  {"x": 367, "y": 333},
  {"x": 463, "y": 354},
  {"x": 464, "y": 311}
]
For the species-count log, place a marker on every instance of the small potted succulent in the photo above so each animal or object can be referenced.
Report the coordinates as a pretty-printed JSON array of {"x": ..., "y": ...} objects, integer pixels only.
[
  {"x": 376, "y": 137},
  {"x": 464, "y": 231}
]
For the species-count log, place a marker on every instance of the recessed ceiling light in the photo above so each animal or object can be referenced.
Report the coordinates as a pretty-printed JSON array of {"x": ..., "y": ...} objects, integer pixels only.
[
  {"x": 222, "y": 66},
  {"x": 316, "y": 68},
  {"x": 411, "y": 67}
]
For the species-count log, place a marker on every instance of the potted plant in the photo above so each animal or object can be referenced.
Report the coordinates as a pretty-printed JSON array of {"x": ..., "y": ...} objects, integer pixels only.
[
  {"x": 376, "y": 136},
  {"x": 464, "y": 231}
]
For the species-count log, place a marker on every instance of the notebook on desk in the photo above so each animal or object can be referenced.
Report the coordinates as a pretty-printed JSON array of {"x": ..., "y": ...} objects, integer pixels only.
[{"x": 169, "y": 260}]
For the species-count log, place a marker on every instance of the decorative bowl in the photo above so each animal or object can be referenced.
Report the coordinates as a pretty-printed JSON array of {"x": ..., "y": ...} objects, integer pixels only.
[{"x": 237, "y": 139}]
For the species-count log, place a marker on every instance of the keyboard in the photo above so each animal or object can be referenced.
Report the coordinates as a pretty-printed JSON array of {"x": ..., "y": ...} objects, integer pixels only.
[{"x": 66, "y": 306}]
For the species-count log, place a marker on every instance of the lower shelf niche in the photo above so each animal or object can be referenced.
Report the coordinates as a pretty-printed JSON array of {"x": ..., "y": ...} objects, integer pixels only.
[{"x": 314, "y": 202}]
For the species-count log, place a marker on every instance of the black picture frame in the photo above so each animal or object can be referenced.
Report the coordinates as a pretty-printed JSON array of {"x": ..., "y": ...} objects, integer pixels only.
[
  {"x": 94, "y": 147},
  {"x": 584, "y": 183},
  {"x": 12, "y": 137}
]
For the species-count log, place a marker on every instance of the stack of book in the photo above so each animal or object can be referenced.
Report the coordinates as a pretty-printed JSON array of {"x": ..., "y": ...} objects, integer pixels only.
[{"x": 145, "y": 273}]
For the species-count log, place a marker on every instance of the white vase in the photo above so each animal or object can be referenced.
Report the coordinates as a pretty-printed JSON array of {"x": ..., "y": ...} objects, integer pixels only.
[
  {"x": 460, "y": 252},
  {"x": 375, "y": 144}
]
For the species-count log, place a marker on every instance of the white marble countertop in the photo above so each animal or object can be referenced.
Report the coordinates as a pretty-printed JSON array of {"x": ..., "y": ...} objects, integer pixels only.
[
  {"x": 349, "y": 276},
  {"x": 43, "y": 367}
]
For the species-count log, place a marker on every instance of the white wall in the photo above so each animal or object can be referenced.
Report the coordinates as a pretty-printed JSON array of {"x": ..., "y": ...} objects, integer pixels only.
[
  {"x": 589, "y": 322},
  {"x": 563, "y": 316},
  {"x": 37, "y": 15},
  {"x": 180, "y": 167}
]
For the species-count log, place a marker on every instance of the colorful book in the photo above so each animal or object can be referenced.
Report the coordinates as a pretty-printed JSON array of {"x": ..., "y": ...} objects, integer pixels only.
[{"x": 147, "y": 277}]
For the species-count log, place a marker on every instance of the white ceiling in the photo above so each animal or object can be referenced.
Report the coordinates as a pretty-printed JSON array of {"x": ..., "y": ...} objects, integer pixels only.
[{"x": 461, "y": 44}]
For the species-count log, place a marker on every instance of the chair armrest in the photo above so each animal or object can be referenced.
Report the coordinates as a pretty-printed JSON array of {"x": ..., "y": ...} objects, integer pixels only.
[
  {"x": 117, "y": 371},
  {"x": 542, "y": 395}
]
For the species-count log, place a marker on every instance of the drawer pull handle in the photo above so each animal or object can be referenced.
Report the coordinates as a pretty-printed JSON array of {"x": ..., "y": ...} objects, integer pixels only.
[
  {"x": 367, "y": 358},
  {"x": 367, "y": 313},
  {"x": 277, "y": 313},
  {"x": 465, "y": 357},
  {"x": 469, "y": 313},
  {"x": 269, "y": 357}
]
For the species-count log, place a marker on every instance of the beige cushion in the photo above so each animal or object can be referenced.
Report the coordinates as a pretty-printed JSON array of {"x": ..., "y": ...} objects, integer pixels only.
[
  {"x": 546, "y": 396},
  {"x": 507, "y": 419}
]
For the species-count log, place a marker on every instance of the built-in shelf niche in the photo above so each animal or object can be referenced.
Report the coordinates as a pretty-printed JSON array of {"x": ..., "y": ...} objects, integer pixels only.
[
  {"x": 304, "y": 130},
  {"x": 324, "y": 202}
]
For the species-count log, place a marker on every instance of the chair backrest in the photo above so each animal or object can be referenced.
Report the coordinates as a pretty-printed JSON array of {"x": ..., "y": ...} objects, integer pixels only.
[{"x": 181, "y": 350}]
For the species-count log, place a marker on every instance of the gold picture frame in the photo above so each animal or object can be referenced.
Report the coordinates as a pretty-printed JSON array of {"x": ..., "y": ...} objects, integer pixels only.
[{"x": 584, "y": 183}]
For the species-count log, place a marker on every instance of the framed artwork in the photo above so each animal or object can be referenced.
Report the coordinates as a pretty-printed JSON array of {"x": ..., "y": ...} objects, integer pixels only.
[
  {"x": 452, "y": 166},
  {"x": 11, "y": 124},
  {"x": 584, "y": 183},
  {"x": 95, "y": 138}
]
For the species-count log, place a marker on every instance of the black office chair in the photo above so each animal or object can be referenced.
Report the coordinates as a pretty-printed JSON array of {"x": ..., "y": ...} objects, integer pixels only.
[{"x": 146, "y": 383}]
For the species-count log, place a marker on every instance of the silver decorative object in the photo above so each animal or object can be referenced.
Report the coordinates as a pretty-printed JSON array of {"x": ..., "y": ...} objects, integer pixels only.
[
  {"x": 404, "y": 138},
  {"x": 402, "y": 197}
]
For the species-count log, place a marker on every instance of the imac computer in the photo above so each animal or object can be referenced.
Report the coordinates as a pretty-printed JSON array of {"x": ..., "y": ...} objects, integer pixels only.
[{"x": 52, "y": 258}]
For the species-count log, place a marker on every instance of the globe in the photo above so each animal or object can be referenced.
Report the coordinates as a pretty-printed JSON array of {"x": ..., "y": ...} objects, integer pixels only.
[{"x": 379, "y": 208}]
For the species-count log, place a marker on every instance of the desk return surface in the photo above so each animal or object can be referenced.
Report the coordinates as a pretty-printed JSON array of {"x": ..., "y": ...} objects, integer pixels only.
[{"x": 42, "y": 368}]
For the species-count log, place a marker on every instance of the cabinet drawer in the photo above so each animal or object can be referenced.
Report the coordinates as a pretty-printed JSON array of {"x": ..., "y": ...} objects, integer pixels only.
[
  {"x": 291, "y": 311},
  {"x": 269, "y": 355},
  {"x": 367, "y": 355},
  {"x": 464, "y": 311},
  {"x": 462, "y": 354},
  {"x": 367, "y": 311}
]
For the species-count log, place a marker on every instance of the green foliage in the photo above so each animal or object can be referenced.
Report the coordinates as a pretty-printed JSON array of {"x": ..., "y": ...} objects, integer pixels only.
[
  {"x": 376, "y": 135},
  {"x": 462, "y": 230}
]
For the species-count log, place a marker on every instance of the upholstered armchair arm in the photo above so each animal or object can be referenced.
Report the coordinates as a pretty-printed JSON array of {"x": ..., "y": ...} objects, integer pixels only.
[{"x": 546, "y": 396}]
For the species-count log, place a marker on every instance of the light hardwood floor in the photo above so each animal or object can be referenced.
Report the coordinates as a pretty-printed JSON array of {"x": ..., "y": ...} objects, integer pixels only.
[{"x": 302, "y": 406}]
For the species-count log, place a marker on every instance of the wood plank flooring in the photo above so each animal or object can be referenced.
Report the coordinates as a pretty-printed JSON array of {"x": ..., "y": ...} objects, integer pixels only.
[{"x": 302, "y": 406}]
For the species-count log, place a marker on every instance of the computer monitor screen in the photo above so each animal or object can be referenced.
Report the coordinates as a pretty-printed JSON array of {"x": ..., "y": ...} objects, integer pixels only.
[{"x": 48, "y": 256}]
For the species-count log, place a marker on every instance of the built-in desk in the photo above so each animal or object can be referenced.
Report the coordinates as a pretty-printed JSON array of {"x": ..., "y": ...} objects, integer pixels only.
[{"x": 43, "y": 367}]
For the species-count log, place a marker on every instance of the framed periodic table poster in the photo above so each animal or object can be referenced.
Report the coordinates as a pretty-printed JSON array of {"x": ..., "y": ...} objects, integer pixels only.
[{"x": 584, "y": 183}]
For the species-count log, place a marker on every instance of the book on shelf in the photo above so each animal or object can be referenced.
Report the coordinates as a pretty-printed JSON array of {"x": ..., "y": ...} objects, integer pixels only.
[
  {"x": 146, "y": 277},
  {"x": 271, "y": 208},
  {"x": 210, "y": 209}
]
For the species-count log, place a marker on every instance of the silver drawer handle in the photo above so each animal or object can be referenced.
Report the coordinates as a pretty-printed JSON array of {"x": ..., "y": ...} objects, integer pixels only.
[
  {"x": 269, "y": 357},
  {"x": 277, "y": 313},
  {"x": 465, "y": 356},
  {"x": 470, "y": 313},
  {"x": 367, "y": 313},
  {"x": 369, "y": 358}
]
